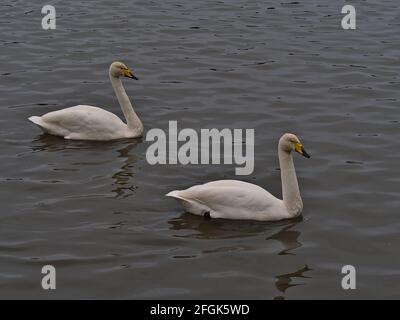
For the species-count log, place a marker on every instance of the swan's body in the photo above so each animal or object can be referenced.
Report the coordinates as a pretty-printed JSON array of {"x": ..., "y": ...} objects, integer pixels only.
[
  {"x": 93, "y": 123},
  {"x": 232, "y": 199}
]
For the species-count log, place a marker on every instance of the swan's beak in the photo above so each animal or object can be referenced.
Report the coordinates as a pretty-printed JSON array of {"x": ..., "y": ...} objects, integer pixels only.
[
  {"x": 128, "y": 73},
  {"x": 300, "y": 149}
]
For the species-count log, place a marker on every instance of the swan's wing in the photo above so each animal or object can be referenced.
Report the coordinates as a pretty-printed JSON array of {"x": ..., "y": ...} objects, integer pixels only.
[
  {"x": 87, "y": 121},
  {"x": 233, "y": 199},
  {"x": 80, "y": 116},
  {"x": 235, "y": 183}
]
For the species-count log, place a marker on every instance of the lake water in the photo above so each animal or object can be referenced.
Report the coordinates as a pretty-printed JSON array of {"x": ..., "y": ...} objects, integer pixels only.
[{"x": 97, "y": 211}]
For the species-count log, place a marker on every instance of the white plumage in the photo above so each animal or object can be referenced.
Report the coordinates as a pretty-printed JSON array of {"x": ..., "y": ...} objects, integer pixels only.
[
  {"x": 84, "y": 122},
  {"x": 232, "y": 199}
]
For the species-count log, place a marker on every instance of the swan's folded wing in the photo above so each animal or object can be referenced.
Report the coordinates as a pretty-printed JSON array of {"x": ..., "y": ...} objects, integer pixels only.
[
  {"x": 82, "y": 118},
  {"x": 72, "y": 115},
  {"x": 234, "y": 201}
]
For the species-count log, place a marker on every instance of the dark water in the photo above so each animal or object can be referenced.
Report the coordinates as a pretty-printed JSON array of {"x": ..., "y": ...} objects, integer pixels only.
[{"x": 96, "y": 211}]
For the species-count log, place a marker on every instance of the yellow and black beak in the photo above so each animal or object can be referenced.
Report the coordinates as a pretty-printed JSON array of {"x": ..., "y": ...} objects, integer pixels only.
[
  {"x": 129, "y": 74},
  {"x": 300, "y": 149}
]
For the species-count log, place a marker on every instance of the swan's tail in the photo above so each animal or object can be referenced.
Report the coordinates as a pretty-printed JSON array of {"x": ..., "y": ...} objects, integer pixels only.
[
  {"x": 174, "y": 194},
  {"x": 36, "y": 120},
  {"x": 39, "y": 122},
  {"x": 190, "y": 205}
]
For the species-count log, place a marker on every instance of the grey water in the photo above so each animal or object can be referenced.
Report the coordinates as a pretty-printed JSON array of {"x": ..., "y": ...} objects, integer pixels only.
[{"x": 97, "y": 211}]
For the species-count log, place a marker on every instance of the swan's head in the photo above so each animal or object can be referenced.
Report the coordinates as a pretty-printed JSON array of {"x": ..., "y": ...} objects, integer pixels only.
[
  {"x": 289, "y": 142},
  {"x": 119, "y": 69}
]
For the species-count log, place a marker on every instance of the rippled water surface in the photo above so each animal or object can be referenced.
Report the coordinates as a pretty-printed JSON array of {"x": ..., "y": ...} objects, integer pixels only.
[{"x": 97, "y": 211}]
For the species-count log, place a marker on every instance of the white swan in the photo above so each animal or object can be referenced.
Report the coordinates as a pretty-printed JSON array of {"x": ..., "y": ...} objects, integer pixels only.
[
  {"x": 232, "y": 199},
  {"x": 92, "y": 123}
]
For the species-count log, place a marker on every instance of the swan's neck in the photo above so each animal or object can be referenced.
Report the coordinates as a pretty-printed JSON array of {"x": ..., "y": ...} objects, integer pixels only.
[
  {"x": 132, "y": 120},
  {"x": 290, "y": 186}
]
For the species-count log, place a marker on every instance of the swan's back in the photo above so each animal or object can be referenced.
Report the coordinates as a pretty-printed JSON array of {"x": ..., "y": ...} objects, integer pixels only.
[{"x": 231, "y": 199}]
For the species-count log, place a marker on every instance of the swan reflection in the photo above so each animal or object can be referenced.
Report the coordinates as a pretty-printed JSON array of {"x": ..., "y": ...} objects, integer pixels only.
[
  {"x": 201, "y": 228},
  {"x": 285, "y": 232},
  {"x": 288, "y": 238},
  {"x": 122, "y": 185},
  {"x": 285, "y": 281}
]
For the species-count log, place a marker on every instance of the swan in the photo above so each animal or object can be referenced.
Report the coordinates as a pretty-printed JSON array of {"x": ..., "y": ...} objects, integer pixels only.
[
  {"x": 84, "y": 122},
  {"x": 233, "y": 199}
]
